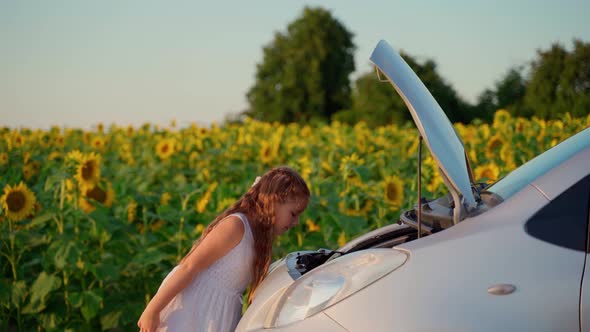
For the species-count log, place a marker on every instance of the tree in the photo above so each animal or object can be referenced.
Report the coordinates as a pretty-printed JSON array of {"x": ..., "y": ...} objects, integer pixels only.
[
  {"x": 378, "y": 103},
  {"x": 508, "y": 93},
  {"x": 560, "y": 82},
  {"x": 541, "y": 92},
  {"x": 510, "y": 90},
  {"x": 304, "y": 74},
  {"x": 486, "y": 105},
  {"x": 573, "y": 94}
]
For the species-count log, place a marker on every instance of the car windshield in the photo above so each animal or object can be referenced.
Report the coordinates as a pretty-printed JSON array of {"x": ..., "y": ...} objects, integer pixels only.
[{"x": 528, "y": 172}]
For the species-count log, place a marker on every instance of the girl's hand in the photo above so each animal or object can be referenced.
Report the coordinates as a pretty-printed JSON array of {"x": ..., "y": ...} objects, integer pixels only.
[{"x": 149, "y": 321}]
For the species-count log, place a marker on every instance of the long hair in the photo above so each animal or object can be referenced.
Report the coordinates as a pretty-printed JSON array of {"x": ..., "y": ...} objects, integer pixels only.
[{"x": 279, "y": 185}]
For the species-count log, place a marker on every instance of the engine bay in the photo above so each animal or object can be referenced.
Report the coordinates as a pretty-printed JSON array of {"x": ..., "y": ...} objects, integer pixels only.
[{"x": 437, "y": 215}]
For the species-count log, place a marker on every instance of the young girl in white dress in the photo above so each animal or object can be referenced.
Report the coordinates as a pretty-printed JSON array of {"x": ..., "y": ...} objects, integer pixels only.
[{"x": 204, "y": 291}]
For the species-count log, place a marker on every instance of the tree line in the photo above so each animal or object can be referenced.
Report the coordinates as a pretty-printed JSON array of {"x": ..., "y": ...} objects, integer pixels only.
[{"x": 304, "y": 77}]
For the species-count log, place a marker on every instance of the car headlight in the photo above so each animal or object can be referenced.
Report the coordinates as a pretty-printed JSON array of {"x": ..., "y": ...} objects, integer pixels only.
[{"x": 333, "y": 282}]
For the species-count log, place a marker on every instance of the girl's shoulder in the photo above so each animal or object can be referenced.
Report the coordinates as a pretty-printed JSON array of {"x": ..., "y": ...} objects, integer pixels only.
[
  {"x": 233, "y": 224},
  {"x": 225, "y": 236}
]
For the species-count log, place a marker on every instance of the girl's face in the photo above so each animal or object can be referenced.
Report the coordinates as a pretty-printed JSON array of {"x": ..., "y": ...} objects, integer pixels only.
[{"x": 287, "y": 215}]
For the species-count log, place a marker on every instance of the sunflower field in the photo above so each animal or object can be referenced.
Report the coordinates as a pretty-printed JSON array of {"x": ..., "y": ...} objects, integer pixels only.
[{"x": 91, "y": 221}]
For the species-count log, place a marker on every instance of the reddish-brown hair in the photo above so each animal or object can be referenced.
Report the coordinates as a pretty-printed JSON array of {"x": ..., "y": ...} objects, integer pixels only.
[{"x": 279, "y": 185}]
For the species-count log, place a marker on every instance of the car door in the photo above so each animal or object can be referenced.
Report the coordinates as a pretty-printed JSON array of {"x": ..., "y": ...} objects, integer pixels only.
[{"x": 564, "y": 223}]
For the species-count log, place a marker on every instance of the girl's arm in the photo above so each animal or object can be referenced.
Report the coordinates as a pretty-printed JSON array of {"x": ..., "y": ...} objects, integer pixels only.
[{"x": 223, "y": 238}]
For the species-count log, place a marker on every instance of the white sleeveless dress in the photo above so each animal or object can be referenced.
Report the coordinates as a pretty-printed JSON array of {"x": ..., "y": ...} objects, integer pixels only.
[{"x": 212, "y": 302}]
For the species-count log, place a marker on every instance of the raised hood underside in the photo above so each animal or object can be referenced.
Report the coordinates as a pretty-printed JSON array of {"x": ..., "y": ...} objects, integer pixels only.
[{"x": 434, "y": 126}]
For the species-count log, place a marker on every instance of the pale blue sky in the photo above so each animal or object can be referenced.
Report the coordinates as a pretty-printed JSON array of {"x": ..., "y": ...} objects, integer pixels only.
[{"x": 77, "y": 63}]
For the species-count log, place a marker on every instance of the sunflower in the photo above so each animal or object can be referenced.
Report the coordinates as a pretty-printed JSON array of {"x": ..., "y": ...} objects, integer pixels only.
[
  {"x": 30, "y": 169},
  {"x": 97, "y": 143},
  {"x": 165, "y": 198},
  {"x": 131, "y": 211},
  {"x": 54, "y": 155},
  {"x": 327, "y": 167},
  {"x": 3, "y": 158},
  {"x": 473, "y": 155},
  {"x": 507, "y": 156},
  {"x": 494, "y": 144},
  {"x": 556, "y": 128},
  {"x": 490, "y": 172},
  {"x": 165, "y": 148},
  {"x": 18, "y": 140},
  {"x": 393, "y": 190},
  {"x": 59, "y": 141},
  {"x": 224, "y": 203},
  {"x": 193, "y": 157},
  {"x": 484, "y": 131},
  {"x": 199, "y": 229},
  {"x": 305, "y": 168},
  {"x": 413, "y": 148},
  {"x": 501, "y": 117},
  {"x": 26, "y": 157},
  {"x": 353, "y": 160},
  {"x": 18, "y": 202},
  {"x": 358, "y": 208},
  {"x": 88, "y": 171},
  {"x": 361, "y": 143},
  {"x": 342, "y": 239},
  {"x": 44, "y": 140},
  {"x": 98, "y": 194},
  {"x": 520, "y": 125},
  {"x": 266, "y": 155},
  {"x": 435, "y": 183},
  {"x": 75, "y": 155},
  {"x": 312, "y": 226},
  {"x": 201, "y": 204}
]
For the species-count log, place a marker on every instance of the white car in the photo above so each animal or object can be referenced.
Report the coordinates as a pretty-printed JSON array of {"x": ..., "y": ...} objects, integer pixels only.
[{"x": 509, "y": 257}]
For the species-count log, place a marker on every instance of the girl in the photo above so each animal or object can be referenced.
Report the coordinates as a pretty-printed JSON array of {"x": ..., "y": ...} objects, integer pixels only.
[{"x": 203, "y": 292}]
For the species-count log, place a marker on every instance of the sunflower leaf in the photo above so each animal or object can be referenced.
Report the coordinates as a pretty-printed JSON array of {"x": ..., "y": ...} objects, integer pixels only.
[
  {"x": 110, "y": 320},
  {"x": 363, "y": 172},
  {"x": 54, "y": 179},
  {"x": 44, "y": 284},
  {"x": 91, "y": 305},
  {"x": 5, "y": 293},
  {"x": 19, "y": 292},
  {"x": 167, "y": 212},
  {"x": 41, "y": 220},
  {"x": 75, "y": 299},
  {"x": 66, "y": 254},
  {"x": 104, "y": 271}
]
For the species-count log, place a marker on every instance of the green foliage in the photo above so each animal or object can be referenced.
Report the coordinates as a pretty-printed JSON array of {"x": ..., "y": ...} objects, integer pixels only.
[
  {"x": 559, "y": 83},
  {"x": 574, "y": 83},
  {"x": 304, "y": 74},
  {"x": 486, "y": 105},
  {"x": 507, "y": 94},
  {"x": 542, "y": 90}
]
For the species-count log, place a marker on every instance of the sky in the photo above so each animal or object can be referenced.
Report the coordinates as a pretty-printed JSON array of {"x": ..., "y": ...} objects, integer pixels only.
[{"x": 79, "y": 63}]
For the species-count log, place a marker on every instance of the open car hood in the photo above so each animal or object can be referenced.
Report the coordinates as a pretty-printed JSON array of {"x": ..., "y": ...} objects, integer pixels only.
[{"x": 434, "y": 126}]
